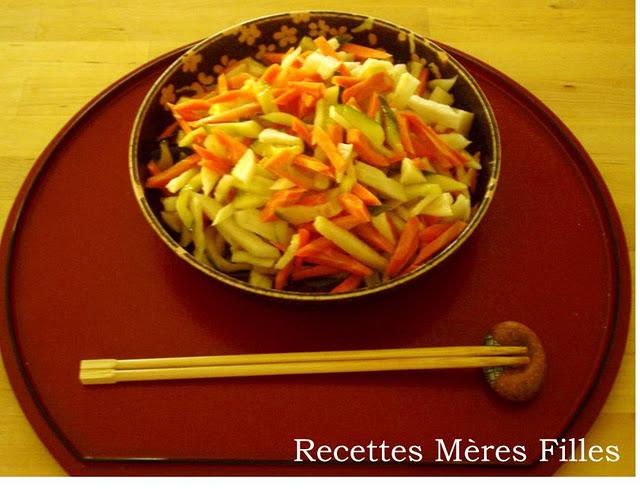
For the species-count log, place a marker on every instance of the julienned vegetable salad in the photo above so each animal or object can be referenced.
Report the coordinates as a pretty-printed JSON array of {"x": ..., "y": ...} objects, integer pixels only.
[{"x": 328, "y": 169}]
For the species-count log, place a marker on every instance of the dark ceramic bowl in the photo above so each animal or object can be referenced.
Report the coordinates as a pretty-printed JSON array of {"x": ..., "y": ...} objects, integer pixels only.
[{"x": 197, "y": 69}]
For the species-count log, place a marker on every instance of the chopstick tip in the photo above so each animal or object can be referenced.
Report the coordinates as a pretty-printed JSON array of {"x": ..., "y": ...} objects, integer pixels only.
[{"x": 101, "y": 363}]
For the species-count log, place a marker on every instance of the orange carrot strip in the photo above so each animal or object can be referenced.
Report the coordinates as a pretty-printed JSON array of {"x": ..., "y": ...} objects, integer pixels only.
[
  {"x": 394, "y": 228},
  {"x": 405, "y": 137},
  {"x": 283, "y": 276},
  {"x": 238, "y": 81},
  {"x": 455, "y": 157},
  {"x": 438, "y": 244},
  {"x": 278, "y": 160},
  {"x": 191, "y": 105},
  {"x": 365, "y": 149},
  {"x": 336, "y": 132},
  {"x": 296, "y": 74},
  {"x": 348, "y": 284},
  {"x": 292, "y": 107},
  {"x": 297, "y": 176},
  {"x": 431, "y": 232},
  {"x": 274, "y": 57},
  {"x": 336, "y": 259},
  {"x": 365, "y": 194},
  {"x": 313, "y": 198},
  {"x": 431, "y": 143},
  {"x": 232, "y": 115},
  {"x": 313, "y": 247},
  {"x": 232, "y": 95},
  {"x": 235, "y": 149},
  {"x": 423, "y": 78},
  {"x": 369, "y": 234},
  {"x": 308, "y": 227},
  {"x": 199, "y": 139},
  {"x": 190, "y": 116},
  {"x": 354, "y": 206},
  {"x": 364, "y": 52},
  {"x": 313, "y": 88},
  {"x": 443, "y": 167},
  {"x": 282, "y": 198},
  {"x": 348, "y": 222},
  {"x": 206, "y": 154},
  {"x": 314, "y": 271},
  {"x": 314, "y": 77},
  {"x": 186, "y": 128},
  {"x": 473, "y": 178},
  {"x": 323, "y": 140},
  {"x": 212, "y": 161},
  {"x": 452, "y": 156},
  {"x": 306, "y": 102},
  {"x": 277, "y": 91},
  {"x": 378, "y": 82},
  {"x": 405, "y": 249},
  {"x": 281, "y": 165},
  {"x": 298, "y": 264},
  {"x": 428, "y": 220},
  {"x": 325, "y": 48},
  {"x": 270, "y": 74},
  {"x": 423, "y": 149},
  {"x": 153, "y": 168},
  {"x": 373, "y": 106},
  {"x": 215, "y": 165},
  {"x": 311, "y": 163},
  {"x": 301, "y": 129},
  {"x": 169, "y": 131},
  {"x": 288, "y": 96},
  {"x": 304, "y": 237},
  {"x": 344, "y": 81},
  {"x": 164, "y": 177},
  {"x": 343, "y": 70}
]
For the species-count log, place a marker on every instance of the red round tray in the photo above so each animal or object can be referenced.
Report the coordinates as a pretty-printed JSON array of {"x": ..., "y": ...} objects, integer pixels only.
[{"x": 86, "y": 277}]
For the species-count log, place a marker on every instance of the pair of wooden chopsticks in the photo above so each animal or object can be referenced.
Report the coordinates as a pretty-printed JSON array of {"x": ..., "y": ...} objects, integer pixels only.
[{"x": 110, "y": 371}]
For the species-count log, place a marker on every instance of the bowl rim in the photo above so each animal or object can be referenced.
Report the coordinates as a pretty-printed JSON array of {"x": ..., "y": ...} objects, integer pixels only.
[{"x": 140, "y": 191}]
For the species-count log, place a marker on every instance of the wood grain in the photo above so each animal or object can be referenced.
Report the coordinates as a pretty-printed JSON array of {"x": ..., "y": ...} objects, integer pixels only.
[{"x": 577, "y": 56}]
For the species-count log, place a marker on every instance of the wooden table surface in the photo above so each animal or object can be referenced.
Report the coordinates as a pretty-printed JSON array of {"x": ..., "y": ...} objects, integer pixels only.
[{"x": 577, "y": 56}]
